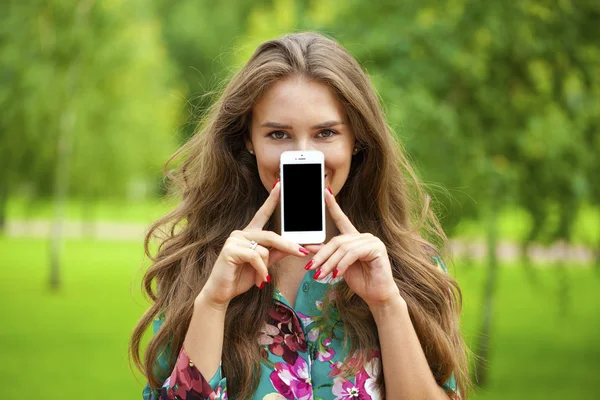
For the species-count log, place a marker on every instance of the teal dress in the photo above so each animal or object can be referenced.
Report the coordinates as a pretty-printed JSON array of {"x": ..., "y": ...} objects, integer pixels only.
[{"x": 303, "y": 351}]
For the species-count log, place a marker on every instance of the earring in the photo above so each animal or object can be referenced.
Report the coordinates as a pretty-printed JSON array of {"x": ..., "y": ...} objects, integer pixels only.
[
  {"x": 355, "y": 150},
  {"x": 251, "y": 151}
]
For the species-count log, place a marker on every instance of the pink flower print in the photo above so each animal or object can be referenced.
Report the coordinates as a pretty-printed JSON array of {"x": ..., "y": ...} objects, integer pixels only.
[
  {"x": 313, "y": 334},
  {"x": 306, "y": 319},
  {"x": 319, "y": 305},
  {"x": 284, "y": 336},
  {"x": 368, "y": 376},
  {"x": 292, "y": 381},
  {"x": 336, "y": 369},
  {"x": 221, "y": 394},
  {"x": 325, "y": 353},
  {"x": 364, "y": 386},
  {"x": 267, "y": 335},
  {"x": 343, "y": 389},
  {"x": 186, "y": 381}
]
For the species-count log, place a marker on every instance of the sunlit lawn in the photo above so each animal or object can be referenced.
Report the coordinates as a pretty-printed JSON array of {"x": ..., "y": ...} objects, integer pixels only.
[{"x": 73, "y": 344}]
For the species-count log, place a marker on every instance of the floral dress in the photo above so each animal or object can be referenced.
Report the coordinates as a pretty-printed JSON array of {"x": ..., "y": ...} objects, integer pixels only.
[{"x": 304, "y": 351}]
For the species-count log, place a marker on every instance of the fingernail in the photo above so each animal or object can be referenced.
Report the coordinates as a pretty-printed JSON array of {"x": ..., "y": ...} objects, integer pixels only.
[
  {"x": 310, "y": 263},
  {"x": 304, "y": 251},
  {"x": 317, "y": 274},
  {"x": 275, "y": 184},
  {"x": 335, "y": 272},
  {"x": 262, "y": 285},
  {"x": 268, "y": 278},
  {"x": 328, "y": 188}
]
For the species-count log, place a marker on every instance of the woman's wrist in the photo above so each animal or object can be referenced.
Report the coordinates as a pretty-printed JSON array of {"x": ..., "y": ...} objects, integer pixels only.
[
  {"x": 205, "y": 300},
  {"x": 383, "y": 310}
]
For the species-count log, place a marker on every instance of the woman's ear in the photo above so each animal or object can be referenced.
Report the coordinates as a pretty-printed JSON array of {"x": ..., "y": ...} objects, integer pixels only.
[{"x": 249, "y": 146}]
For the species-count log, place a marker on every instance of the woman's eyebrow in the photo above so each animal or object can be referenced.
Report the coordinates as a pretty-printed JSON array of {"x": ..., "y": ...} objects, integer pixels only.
[
  {"x": 327, "y": 124},
  {"x": 275, "y": 125},
  {"x": 323, "y": 125}
]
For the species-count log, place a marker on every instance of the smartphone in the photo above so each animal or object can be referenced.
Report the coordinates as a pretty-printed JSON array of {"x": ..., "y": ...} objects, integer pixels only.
[{"x": 302, "y": 177}]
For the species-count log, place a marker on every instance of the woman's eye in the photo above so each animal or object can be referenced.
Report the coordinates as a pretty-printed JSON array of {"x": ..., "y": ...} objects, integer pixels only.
[
  {"x": 279, "y": 135},
  {"x": 330, "y": 131},
  {"x": 275, "y": 133}
]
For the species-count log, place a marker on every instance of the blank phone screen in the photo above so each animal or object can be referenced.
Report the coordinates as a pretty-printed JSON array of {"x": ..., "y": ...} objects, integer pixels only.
[{"x": 302, "y": 189}]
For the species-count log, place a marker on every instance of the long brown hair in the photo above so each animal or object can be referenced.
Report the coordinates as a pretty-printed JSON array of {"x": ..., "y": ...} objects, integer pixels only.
[{"x": 221, "y": 191}]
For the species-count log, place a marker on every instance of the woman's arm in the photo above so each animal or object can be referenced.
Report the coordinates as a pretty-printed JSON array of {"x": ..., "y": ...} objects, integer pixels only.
[
  {"x": 406, "y": 371},
  {"x": 203, "y": 341}
]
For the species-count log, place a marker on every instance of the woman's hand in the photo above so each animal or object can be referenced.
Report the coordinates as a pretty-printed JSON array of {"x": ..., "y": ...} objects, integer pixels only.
[
  {"x": 360, "y": 258},
  {"x": 238, "y": 267}
]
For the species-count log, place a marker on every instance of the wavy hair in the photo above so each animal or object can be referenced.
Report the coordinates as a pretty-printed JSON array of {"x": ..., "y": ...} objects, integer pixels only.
[{"x": 396, "y": 210}]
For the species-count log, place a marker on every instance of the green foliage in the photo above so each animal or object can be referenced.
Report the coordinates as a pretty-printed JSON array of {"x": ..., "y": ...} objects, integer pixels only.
[
  {"x": 485, "y": 91},
  {"x": 480, "y": 92},
  {"x": 89, "y": 81},
  {"x": 199, "y": 35}
]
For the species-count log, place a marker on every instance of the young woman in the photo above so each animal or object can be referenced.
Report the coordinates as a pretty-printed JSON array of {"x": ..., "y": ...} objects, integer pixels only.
[{"x": 239, "y": 312}]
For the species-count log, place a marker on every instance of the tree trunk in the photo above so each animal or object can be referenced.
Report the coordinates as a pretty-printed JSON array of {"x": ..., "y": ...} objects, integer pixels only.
[
  {"x": 527, "y": 264},
  {"x": 598, "y": 256},
  {"x": 563, "y": 295},
  {"x": 64, "y": 142},
  {"x": 483, "y": 346},
  {"x": 3, "y": 199},
  {"x": 88, "y": 220},
  {"x": 61, "y": 184}
]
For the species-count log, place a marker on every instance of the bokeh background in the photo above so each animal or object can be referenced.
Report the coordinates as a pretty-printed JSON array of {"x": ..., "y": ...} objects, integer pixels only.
[{"x": 497, "y": 103}]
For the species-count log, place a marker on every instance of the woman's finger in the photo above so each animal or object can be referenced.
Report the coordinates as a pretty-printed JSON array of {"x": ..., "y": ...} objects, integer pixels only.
[
  {"x": 244, "y": 254},
  {"x": 339, "y": 218},
  {"x": 349, "y": 248},
  {"x": 264, "y": 254},
  {"x": 357, "y": 253},
  {"x": 314, "y": 248},
  {"x": 266, "y": 210},
  {"x": 327, "y": 250},
  {"x": 273, "y": 240}
]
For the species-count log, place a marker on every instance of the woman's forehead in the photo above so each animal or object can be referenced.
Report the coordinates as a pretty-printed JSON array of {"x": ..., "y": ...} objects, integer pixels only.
[{"x": 293, "y": 102}]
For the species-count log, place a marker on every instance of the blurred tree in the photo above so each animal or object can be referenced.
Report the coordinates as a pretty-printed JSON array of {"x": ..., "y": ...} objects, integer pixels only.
[
  {"x": 198, "y": 34},
  {"x": 86, "y": 99},
  {"x": 497, "y": 100}
]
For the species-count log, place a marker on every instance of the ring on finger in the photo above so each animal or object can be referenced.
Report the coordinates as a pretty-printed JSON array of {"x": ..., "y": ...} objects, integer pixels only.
[{"x": 253, "y": 244}]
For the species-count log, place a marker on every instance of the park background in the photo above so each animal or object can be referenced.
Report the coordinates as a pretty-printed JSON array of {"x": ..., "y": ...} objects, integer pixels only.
[{"x": 497, "y": 103}]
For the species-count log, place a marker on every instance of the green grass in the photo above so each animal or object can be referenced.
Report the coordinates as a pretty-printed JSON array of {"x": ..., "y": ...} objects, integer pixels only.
[
  {"x": 73, "y": 344},
  {"x": 543, "y": 345}
]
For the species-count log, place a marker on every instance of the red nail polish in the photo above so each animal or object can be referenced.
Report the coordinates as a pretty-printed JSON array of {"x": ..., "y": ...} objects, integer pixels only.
[
  {"x": 304, "y": 251},
  {"x": 310, "y": 263},
  {"x": 262, "y": 285},
  {"x": 317, "y": 274},
  {"x": 328, "y": 188},
  {"x": 275, "y": 184},
  {"x": 268, "y": 278},
  {"x": 335, "y": 272}
]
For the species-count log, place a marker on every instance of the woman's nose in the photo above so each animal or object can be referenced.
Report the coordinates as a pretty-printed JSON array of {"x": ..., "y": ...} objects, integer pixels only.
[{"x": 303, "y": 145}]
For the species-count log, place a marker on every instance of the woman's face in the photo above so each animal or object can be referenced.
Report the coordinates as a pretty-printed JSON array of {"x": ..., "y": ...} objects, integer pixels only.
[{"x": 297, "y": 114}]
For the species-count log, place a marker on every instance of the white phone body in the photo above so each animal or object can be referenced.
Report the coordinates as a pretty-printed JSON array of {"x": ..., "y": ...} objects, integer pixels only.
[{"x": 302, "y": 177}]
